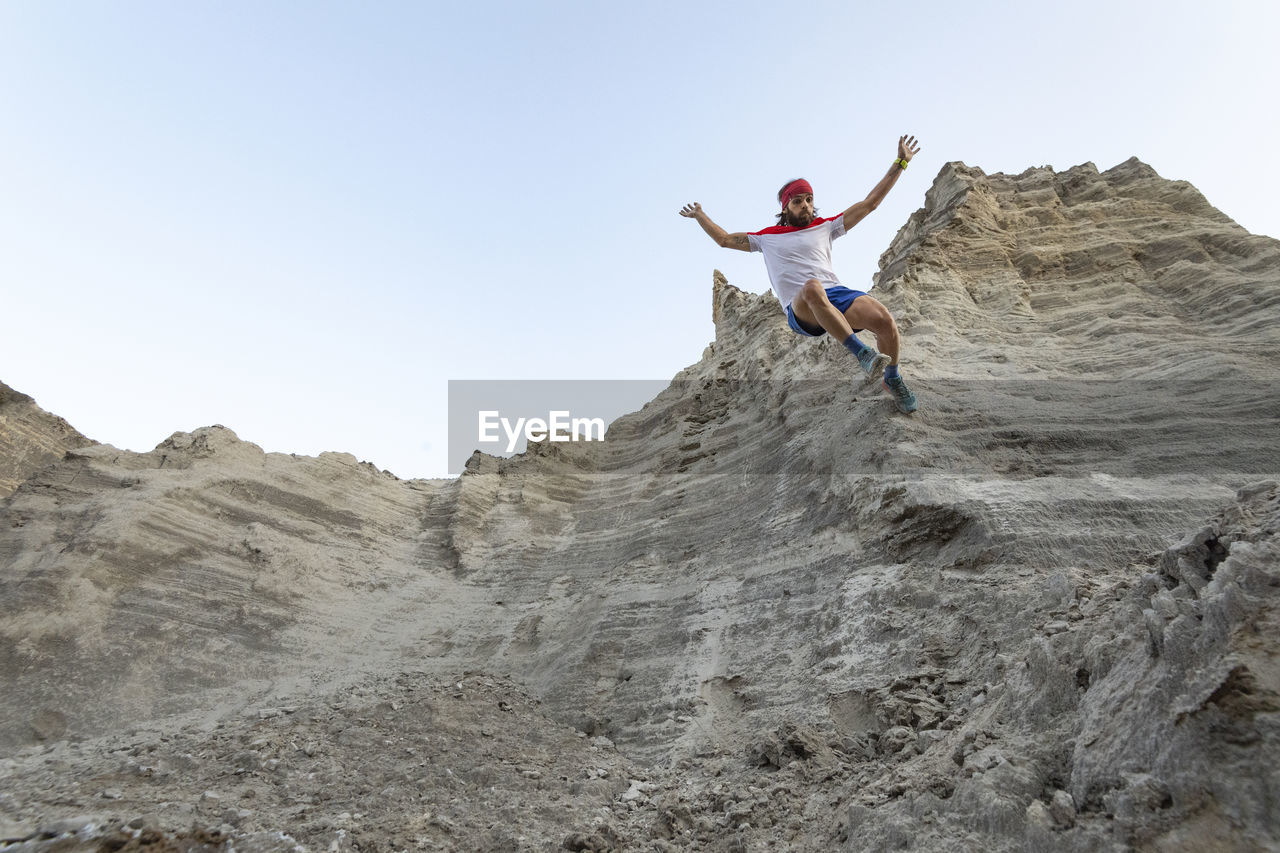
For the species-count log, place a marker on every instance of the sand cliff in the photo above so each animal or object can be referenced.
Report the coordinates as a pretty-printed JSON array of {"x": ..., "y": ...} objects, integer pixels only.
[{"x": 768, "y": 612}]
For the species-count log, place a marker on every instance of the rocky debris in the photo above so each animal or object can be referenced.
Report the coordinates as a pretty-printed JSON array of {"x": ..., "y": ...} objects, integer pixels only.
[
  {"x": 1194, "y": 691},
  {"x": 143, "y": 839},
  {"x": 410, "y": 762}
]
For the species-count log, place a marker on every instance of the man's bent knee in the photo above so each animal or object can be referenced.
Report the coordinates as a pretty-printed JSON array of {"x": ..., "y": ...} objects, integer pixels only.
[
  {"x": 812, "y": 292},
  {"x": 869, "y": 313}
]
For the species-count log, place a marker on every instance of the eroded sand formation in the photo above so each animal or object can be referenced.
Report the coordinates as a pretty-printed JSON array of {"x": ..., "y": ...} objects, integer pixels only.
[{"x": 767, "y": 613}]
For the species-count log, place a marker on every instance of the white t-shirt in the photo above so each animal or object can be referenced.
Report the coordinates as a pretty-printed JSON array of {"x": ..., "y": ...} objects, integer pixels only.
[{"x": 794, "y": 255}]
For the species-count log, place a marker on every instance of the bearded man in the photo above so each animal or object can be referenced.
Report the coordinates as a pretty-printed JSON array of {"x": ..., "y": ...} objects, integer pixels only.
[{"x": 797, "y": 255}]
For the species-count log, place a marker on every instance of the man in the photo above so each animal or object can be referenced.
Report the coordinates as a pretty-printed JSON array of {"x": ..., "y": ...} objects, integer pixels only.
[{"x": 797, "y": 255}]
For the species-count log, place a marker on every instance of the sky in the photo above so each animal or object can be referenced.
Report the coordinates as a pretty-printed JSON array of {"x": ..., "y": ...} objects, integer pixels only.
[{"x": 302, "y": 220}]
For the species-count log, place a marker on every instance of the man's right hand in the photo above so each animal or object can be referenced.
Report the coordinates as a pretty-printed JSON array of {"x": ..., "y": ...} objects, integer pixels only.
[{"x": 714, "y": 231}]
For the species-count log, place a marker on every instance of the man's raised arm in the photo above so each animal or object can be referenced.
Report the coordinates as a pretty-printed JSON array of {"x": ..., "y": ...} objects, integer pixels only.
[
  {"x": 714, "y": 231},
  {"x": 907, "y": 148}
]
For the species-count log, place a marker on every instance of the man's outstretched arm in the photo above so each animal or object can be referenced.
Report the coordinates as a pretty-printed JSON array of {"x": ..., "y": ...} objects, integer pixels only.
[
  {"x": 714, "y": 231},
  {"x": 907, "y": 148}
]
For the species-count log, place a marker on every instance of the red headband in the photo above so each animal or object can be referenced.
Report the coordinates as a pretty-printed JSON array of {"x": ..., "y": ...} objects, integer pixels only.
[{"x": 796, "y": 187}]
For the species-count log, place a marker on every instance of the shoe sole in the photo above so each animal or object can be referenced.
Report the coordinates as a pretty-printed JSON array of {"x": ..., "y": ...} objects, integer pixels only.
[{"x": 877, "y": 367}]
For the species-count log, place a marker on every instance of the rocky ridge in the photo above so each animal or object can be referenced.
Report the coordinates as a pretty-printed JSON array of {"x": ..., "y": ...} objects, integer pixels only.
[
  {"x": 803, "y": 620},
  {"x": 30, "y": 438}
]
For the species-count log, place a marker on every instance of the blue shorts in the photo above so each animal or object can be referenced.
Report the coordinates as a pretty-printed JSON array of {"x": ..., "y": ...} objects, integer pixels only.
[{"x": 841, "y": 297}]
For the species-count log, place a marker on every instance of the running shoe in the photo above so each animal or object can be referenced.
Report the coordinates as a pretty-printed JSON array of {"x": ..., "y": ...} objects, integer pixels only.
[
  {"x": 873, "y": 363},
  {"x": 901, "y": 394}
]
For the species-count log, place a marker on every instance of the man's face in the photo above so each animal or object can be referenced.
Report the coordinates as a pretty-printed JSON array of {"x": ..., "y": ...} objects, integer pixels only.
[{"x": 800, "y": 209}]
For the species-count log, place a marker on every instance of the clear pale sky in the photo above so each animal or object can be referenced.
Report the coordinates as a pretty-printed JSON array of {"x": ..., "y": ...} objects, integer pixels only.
[{"x": 300, "y": 220}]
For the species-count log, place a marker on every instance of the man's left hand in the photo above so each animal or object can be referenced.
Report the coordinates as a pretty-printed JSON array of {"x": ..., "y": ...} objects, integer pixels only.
[{"x": 907, "y": 148}]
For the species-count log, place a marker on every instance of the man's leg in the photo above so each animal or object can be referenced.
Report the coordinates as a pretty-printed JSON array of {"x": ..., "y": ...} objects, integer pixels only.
[
  {"x": 866, "y": 312},
  {"x": 812, "y": 307}
]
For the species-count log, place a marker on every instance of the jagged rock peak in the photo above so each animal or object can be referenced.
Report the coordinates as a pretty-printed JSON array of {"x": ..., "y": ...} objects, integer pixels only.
[
  {"x": 963, "y": 194},
  {"x": 752, "y": 338},
  {"x": 30, "y": 438},
  {"x": 947, "y": 198},
  {"x": 1080, "y": 273}
]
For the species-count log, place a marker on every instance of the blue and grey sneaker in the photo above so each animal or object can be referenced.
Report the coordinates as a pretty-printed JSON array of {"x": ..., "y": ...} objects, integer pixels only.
[
  {"x": 873, "y": 363},
  {"x": 901, "y": 394}
]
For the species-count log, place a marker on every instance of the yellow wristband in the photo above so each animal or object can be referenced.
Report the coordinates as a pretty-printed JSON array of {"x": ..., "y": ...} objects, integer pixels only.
[{"x": 900, "y": 163}]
